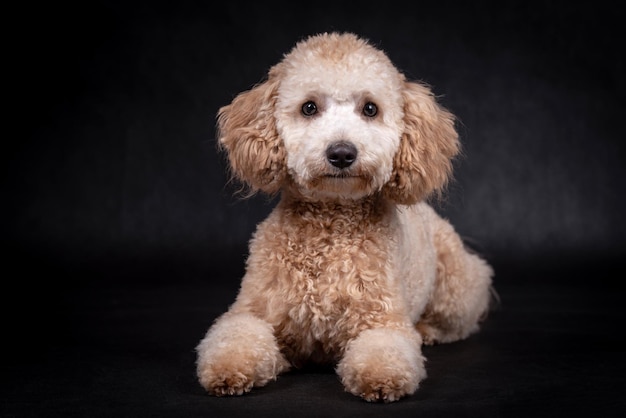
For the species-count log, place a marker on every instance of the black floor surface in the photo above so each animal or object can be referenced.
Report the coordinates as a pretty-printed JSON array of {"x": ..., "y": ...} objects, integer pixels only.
[{"x": 552, "y": 348}]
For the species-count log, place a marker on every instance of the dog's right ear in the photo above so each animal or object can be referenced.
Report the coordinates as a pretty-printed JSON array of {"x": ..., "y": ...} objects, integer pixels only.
[{"x": 247, "y": 132}]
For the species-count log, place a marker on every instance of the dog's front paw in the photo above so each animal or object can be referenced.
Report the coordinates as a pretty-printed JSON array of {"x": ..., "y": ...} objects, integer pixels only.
[
  {"x": 375, "y": 382},
  {"x": 224, "y": 381},
  {"x": 238, "y": 353},
  {"x": 382, "y": 365},
  {"x": 377, "y": 387}
]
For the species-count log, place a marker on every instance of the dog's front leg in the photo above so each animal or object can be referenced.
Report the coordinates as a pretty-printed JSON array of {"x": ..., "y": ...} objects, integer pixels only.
[
  {"x": 383, "y": 364},
  {"x": 238, "y": 352}
]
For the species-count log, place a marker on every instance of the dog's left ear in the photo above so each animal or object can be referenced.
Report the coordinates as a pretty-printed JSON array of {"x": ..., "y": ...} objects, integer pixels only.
[{"x": 423, "y": 162}]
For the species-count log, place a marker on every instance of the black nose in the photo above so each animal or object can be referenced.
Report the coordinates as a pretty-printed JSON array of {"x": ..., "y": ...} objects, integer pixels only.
[{"x": 341, "y": 154}]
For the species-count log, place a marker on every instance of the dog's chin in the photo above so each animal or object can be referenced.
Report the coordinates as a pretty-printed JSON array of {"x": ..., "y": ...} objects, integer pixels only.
[{"x": 338, "y": 186}]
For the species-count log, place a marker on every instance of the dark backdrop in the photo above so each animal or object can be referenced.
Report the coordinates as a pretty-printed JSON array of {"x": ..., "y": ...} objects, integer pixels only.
[
  {"x": 114, "y": 159},
  {"x": 112, "y": 179}
]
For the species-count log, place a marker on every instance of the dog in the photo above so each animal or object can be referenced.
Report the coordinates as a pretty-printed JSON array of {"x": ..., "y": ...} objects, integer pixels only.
[{"x": 353, "y": 268}]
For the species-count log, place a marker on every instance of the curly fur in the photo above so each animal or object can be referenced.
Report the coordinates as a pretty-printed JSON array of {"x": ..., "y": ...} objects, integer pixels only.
[{"x": 352, "y": 268}]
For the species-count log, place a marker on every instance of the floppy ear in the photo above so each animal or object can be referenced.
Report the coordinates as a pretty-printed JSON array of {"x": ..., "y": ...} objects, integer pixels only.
[
  {"x": 423, "y": 162},
  {"x": 247, "y": 131}
]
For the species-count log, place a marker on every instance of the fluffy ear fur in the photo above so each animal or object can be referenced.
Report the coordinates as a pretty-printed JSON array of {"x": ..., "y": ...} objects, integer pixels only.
[
  {"x": 423, "y": 162},
  {"x": 247, "y": 131}
]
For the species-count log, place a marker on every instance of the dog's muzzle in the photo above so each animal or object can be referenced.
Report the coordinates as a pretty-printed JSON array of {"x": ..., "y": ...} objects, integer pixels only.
[{"x": 341, "y": 154}]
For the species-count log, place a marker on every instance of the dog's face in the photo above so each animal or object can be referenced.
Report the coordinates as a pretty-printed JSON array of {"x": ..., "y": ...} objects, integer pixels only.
[
  {"x": 336, "y": 120},
  {"x": 339, "y": 114}
]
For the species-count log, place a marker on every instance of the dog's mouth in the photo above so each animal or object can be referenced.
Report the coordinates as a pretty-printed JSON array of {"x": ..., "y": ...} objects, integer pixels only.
[
  {"x": 346, "y": 184},
  {"x": 338, "y": 179},
  {"x": 343, "y": 174},
  {"x": 343, "y": 181},
  {"x": 339, "y": 176}
]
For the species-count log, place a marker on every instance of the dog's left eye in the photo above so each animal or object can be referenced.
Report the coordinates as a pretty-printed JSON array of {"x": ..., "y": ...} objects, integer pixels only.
[
  {"x": 370, "y": 110},
  {"x": 309, "y": 108}
]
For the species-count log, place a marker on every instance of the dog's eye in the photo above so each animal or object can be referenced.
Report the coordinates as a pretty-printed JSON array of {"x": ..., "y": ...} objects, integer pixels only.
[
  {"x": 309, "y": 108},
  {"x": 370, "y": 110}
]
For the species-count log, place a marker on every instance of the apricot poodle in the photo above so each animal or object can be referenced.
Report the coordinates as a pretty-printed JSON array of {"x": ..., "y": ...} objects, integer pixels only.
[{"x": 352, "y": 268}]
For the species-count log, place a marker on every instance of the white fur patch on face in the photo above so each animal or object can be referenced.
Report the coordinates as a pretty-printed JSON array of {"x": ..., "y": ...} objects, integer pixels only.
[{"x": 340, "y": 90}]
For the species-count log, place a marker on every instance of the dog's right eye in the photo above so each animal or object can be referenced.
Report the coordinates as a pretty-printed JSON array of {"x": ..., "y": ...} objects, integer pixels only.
[{"x": 309, "y": 108}]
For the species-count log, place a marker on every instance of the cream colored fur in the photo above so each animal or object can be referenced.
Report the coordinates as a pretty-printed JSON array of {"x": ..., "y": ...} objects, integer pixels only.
[{"x": 352, "y": 268}]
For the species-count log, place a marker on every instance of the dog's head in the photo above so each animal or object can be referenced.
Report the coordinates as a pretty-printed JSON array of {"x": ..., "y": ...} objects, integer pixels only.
[{"x": 336, "y": 120}]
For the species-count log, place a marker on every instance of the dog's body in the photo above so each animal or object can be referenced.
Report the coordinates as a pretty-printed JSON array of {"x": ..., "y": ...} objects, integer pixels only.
[{"x": 352, "y": 268}]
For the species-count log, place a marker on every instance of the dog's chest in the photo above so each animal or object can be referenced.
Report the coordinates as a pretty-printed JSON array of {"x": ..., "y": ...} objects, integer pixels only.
[{"x": 332, "y": 278}]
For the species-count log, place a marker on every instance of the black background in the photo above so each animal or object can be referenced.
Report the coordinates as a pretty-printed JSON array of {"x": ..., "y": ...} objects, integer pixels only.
[{"x": 117, "y": 208}]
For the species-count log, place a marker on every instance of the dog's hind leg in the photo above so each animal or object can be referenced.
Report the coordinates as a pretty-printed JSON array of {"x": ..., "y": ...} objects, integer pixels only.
[{"x": 462, "y": 290}]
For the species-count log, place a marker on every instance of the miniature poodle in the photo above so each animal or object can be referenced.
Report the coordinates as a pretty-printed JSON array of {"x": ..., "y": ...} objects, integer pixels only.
[{"x": 353, "y": 268}]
